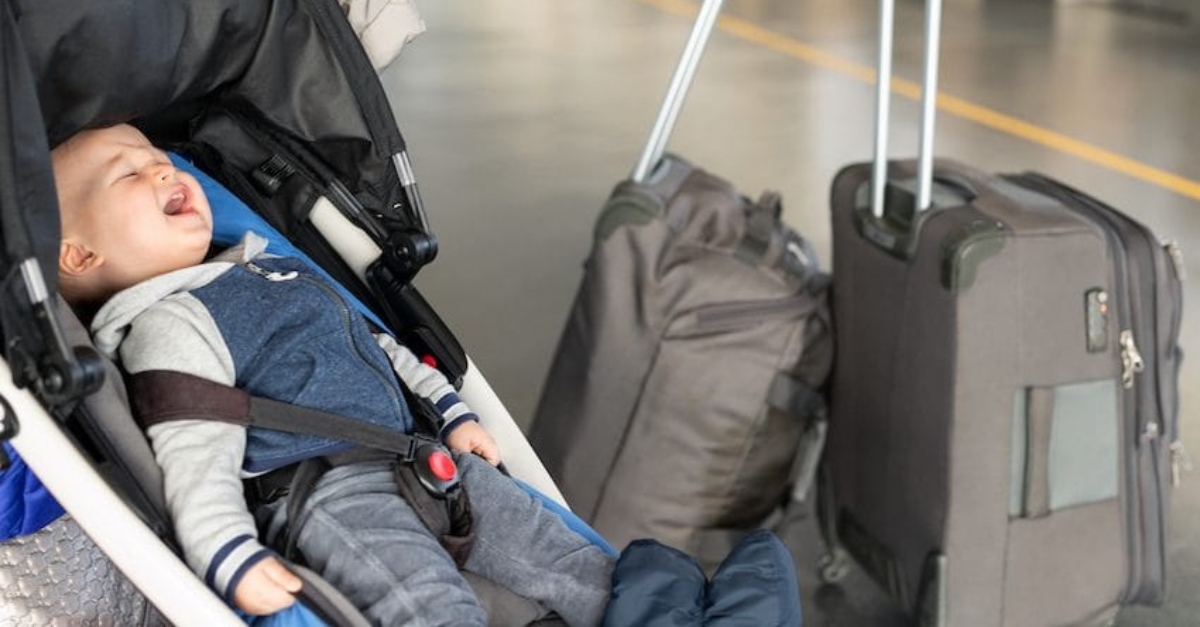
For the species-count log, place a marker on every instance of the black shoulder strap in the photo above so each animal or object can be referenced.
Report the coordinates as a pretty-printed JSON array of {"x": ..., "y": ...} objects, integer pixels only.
[{"x": 159, "y": 396}]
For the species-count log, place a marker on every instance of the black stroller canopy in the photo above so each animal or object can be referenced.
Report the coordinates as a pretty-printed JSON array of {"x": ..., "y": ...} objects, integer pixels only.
[
  {"x": 219, "y": 79},
  {"x": 297, "y": 64}
]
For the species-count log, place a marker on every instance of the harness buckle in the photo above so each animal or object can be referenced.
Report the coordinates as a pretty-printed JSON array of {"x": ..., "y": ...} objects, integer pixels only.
[{"x": 435, "y": 469}]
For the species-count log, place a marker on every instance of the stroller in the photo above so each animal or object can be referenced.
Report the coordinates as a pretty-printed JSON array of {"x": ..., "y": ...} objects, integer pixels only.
[{"x": 279, "y": 101}]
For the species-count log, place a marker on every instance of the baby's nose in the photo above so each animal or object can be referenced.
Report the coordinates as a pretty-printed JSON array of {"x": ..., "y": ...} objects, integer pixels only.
[{"x": 164, "y": 172}]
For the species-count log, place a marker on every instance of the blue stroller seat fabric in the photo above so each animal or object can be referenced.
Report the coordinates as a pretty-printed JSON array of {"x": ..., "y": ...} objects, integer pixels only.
[{"x": 25, "y": 505}]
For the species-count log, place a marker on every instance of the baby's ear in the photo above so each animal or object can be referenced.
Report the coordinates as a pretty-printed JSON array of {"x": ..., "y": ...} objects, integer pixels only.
[{"x": 76, "y": 259}]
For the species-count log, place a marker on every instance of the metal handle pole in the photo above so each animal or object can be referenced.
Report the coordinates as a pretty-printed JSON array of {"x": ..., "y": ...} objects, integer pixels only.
[
  {"x": 883, "y": 85},
  {"x": 677, "y": 91},
  {"x": 933, "y": 27}
]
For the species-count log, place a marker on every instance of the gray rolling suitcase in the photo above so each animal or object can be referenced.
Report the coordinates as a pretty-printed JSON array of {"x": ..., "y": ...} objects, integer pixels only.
[
  {"x": 690, "y": 369},
  {"x": 1004, "y": 404}
]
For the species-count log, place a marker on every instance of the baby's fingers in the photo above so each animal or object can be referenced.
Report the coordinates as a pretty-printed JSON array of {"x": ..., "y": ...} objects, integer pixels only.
[
  {"x": 488, "y": 450},
  {"x": 286, "y": 579},
  {"x": 266, "y": 588}
]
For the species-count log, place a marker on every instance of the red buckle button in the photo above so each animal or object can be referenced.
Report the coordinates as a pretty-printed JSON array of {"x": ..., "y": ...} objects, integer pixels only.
[{"x": 442, "y": 466}]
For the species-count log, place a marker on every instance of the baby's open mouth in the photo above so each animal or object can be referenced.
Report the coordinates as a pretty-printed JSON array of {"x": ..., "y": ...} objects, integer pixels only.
[{"x": 178, "y": 202}]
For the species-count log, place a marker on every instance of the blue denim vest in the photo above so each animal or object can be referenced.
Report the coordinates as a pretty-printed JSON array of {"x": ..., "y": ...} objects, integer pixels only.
[{"x": 293, "y": 338}]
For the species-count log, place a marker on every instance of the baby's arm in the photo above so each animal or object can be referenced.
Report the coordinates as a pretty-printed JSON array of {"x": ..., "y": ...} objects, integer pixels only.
[
  {"x": 460, "y": 429},
  {"x": 202, "y": 460}
]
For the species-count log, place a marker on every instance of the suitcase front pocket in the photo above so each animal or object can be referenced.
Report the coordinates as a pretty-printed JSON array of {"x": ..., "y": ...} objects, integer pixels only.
[
  {"x": 1065, "y": 452},
  {"x": 1066, "y": 556}
]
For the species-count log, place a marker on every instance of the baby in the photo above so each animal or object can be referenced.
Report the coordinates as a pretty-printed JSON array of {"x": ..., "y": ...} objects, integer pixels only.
[{"x": 136, "y": 234}]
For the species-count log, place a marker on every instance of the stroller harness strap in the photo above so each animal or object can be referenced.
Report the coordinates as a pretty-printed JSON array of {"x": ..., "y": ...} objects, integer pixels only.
[
  {"x": 196, "y": 398},
  {"x": 426, "y": 476}
]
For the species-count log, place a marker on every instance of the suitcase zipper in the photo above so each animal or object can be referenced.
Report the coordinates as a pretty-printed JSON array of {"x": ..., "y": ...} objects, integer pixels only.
[
  {"x": 1180, "y": 461},
  {"x": 1146, "y": 435},
  {"x": 1154, "y": 432},
  {"x": 1131, "y": 361},
  {"x": 1176, "y": 256},
  {"x": 1143, "y": 501}
]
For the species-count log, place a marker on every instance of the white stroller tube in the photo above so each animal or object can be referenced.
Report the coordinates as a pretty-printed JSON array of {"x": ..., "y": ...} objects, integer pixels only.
[
  {"x": 178, "y": 593},
  {"x": 677, "y": 91},
  {"x": 360, "y": 251},
  {"x": 518, "y": 455}
]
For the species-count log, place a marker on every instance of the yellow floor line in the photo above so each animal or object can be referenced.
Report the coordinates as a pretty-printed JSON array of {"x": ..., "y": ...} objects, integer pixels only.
[{"x": 955, "y": 106}]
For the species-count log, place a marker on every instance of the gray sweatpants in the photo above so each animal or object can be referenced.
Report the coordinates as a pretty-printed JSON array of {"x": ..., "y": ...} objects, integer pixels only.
[{"x": 366, "y": 541}]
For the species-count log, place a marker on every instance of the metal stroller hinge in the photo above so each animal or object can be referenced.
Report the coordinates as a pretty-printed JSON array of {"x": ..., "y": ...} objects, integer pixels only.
[
  {"x": 408, "y": 250},
  {"x": 409, "y": 182},
  {"x": 59, "y": 373}
]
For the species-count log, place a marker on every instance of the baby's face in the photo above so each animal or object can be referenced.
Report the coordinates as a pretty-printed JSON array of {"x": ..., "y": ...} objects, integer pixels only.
[{"x": 121, "y": 197}]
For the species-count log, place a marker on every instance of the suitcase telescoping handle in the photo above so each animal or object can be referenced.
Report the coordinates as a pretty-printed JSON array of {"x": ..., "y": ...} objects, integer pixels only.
[
  {"x": 933, "y": 19},
  {"x": 686, "y": 69},
  {"x": 677, "y": 91}
]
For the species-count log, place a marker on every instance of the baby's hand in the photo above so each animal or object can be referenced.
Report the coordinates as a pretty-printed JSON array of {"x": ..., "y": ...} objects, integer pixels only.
[
  {"x": 471, "y": 437},
  {"x": 266, "y": 588}
]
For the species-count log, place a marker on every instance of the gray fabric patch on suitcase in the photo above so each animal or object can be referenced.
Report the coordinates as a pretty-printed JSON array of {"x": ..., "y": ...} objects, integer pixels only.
[
  {"x": 1073, "y": 462},
  {"x": 1083, "y": 444}
]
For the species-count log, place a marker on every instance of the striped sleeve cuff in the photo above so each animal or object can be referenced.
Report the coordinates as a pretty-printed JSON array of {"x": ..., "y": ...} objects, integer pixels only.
[
  {"x": 231, "y": 562},
  {"x": 454, "y": 413}
]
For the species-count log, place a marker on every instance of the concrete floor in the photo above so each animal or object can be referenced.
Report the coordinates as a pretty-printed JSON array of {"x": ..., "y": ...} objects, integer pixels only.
[{"x": 521, "y": 116}]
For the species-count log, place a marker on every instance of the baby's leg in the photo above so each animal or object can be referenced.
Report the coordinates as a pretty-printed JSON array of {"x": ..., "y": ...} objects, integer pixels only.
[
  {"x": 523, "y": 546},
  {"x": 362, "y": 536}
]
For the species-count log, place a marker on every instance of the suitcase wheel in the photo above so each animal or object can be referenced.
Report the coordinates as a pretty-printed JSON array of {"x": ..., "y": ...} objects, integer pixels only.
[{"x": 834, "y": 566}]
